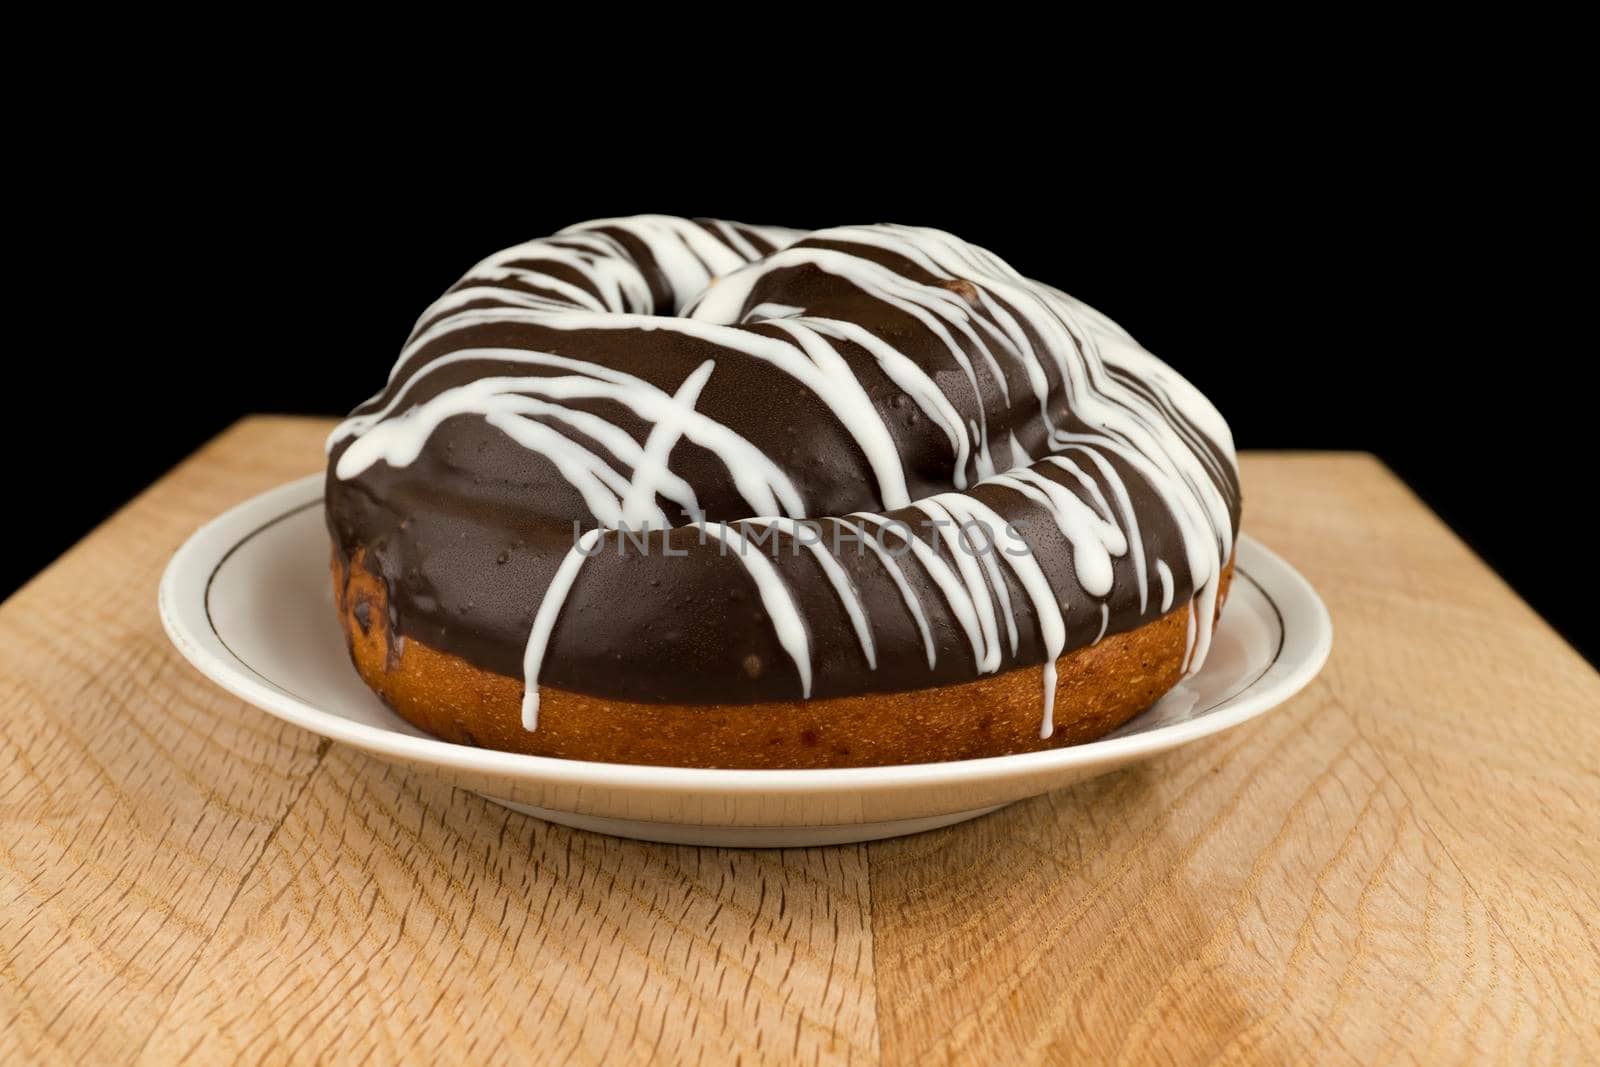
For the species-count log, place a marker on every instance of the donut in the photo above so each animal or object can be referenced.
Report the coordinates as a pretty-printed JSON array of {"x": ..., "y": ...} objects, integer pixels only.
[{"x": 698, "y": 493}]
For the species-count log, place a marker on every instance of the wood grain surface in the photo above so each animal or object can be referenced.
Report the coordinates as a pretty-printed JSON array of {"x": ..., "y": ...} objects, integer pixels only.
[{"x": 1402, "y": 864}]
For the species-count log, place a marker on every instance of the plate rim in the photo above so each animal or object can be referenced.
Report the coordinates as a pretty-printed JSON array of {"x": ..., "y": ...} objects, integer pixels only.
[{"x": 204, "y": 551}]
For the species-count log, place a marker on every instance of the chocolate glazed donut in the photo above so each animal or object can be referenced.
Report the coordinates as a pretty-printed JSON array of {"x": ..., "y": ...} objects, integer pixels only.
[{"x": 692, "y": 492}]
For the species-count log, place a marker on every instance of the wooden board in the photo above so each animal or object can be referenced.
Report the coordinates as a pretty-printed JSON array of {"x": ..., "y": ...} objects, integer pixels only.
[{"x": 1403, "y": 863}]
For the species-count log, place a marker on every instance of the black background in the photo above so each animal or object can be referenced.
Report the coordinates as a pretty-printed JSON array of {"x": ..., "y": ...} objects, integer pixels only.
[{"x": 1327, "y": 289}]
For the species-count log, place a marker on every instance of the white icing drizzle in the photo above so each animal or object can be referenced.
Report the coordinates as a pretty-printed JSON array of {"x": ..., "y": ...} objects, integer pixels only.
[
  {"x": 765, "y": 486},
  {"x": 957, "y": 596},
  {"x": 1019, "y": 558},
  {"x": 1188, "y": 637},
  {"x": 849, "y": 596},
  {"x": 650, "y": 472},
  {"x": 1094, "y": 540},
  {"x": 832, "y": 380},
  {"x": 769, "y": 311},
  {"x": 555, "y": 598},
  {"x": 916, "y": 383},
  {"x": 998, "y": 329},
  {"x": 913, "y": 605},
  {"x": 1131, "y": 524},
  {"x": 927, "y": 305},
  {"x": 775, "y": 598},
  {"x": 1019, "y": 455},
  {"x": 973, "y": 579},
  {"x": 685, "y": 252}
]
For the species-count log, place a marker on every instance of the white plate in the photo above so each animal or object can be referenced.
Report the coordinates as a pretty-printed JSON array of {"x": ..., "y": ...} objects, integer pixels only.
[{"x": 249, "y": 602}]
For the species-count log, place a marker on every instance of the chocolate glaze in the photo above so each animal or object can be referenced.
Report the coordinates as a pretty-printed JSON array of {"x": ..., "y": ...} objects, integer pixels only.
[{"x": 469, "y": 533}]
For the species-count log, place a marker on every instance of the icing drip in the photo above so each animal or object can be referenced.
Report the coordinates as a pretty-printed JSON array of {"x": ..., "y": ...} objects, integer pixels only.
[
  {"x": 555, "y": 598},
  {"x": 1019, "y": 557},
  {"x": 1002, "y": 454},
  {"x": 1165, "y": 572},
  {"x": 837, "y": 577}
]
